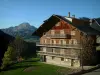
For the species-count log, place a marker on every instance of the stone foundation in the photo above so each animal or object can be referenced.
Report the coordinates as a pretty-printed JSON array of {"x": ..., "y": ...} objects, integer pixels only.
[{"x": 62, "y": 61}]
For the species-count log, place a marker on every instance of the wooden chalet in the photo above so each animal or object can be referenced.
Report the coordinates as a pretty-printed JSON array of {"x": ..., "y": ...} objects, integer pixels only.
[{"x": 60, "y": 40}]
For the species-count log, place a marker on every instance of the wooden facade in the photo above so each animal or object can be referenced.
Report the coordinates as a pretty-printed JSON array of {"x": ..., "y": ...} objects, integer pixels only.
[{"x": 61, "y": 44}]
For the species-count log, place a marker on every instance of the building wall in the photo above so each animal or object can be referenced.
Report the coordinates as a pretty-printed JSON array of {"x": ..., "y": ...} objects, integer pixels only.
[
  {"x": 62, "y": 28},
  {"x": 59, "y": 29},
  {"x": 62, "y": 61},
  {"x": 73, "y": 52}
]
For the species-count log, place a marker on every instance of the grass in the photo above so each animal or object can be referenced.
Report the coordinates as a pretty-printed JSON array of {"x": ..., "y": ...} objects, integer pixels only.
[{"x": 37, "y": 68}]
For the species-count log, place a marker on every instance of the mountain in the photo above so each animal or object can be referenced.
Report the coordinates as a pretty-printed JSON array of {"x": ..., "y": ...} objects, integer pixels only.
[{"x": 24, "y": 30}]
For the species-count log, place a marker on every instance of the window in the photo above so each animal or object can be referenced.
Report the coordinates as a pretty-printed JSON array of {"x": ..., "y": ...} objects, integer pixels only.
[
  {"x": 52, "y": 50},
  {"x": 62, "y": 59},
  {"x": 44, "y": 49},
  {"x": 70, "y": 42},
  {"x": 52, "y": 41},
  {"x": 73, "y": 41},
  {"x": 61, "y": 31},
  {"x": 52, "y": 32},
  {"x": 61, "y": 42},
  {"x": 72, "y": 32},
  {"x": 45, "y": 40},
  {"x": 64, "y": 42},
  {"x": 53, "y": 57}
]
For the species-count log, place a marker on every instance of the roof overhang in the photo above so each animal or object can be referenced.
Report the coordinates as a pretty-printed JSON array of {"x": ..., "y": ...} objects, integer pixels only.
[
  {"x": 83, "y": 26},
  {"x": 46, "y": 26},
  {"x": 95, "y": 25}
]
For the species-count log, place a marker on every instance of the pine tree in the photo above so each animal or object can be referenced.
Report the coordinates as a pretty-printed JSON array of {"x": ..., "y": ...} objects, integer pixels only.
[{"x": 8, "y": 58}]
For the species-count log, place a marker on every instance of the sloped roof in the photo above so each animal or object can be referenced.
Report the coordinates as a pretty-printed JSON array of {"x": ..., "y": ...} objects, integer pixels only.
[
  {"x": 82, "y": 25},
  {"x": 47, "y": 25},
  {"x": 96, "y": 25}
]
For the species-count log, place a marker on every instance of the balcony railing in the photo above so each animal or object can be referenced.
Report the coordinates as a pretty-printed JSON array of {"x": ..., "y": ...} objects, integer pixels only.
[
  {"x": 58, "y": 54},
  {"x": 77, "y": 46},
  {"x": 58, "y": 36}
]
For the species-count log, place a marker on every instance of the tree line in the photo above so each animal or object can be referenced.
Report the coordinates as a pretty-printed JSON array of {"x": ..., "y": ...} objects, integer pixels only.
[{"x": 18, "y": 50}]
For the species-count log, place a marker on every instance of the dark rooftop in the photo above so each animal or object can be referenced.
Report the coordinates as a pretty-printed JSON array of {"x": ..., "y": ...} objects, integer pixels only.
[{"x": 82, "y": 25}]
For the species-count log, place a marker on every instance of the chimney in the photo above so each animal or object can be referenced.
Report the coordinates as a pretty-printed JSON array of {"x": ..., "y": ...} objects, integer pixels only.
[
  {"x": 68, "y": 14},
  {"x": 73, "y": 16}
]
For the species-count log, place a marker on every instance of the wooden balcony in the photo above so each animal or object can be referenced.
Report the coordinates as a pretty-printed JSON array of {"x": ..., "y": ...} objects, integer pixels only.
[
  {"x": 58, "y": 55},
  {"x": 60, "y": 45},
  {"x": 68, "y": 36}
]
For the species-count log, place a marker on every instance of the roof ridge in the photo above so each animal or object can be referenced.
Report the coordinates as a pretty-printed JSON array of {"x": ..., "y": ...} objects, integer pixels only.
[{"x": 97, "y": 22}]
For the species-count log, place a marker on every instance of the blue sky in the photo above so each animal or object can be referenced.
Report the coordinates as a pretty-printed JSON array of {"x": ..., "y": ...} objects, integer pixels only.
[{"x": 14, "y": 12}]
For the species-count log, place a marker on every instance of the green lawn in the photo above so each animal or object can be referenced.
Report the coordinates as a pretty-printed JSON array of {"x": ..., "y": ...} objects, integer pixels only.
[{"x": 34, "y": 68}]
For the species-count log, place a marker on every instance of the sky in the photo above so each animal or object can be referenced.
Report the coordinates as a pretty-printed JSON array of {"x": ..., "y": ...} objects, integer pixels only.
[{"x": 15, "y": 12}]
